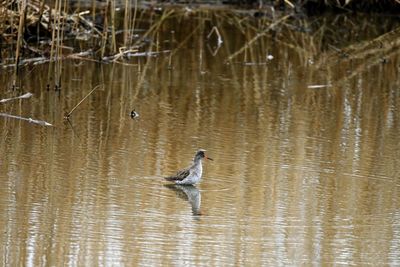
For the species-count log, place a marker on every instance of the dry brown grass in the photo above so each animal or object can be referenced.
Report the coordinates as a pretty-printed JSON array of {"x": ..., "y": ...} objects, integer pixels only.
[{"x": 36, "y": 33}]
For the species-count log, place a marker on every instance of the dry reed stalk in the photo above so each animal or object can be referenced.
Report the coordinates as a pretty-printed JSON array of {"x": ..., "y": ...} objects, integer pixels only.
[
  {"x": 171, "y": 48},
  {"x": 127, "y": 18},
  {"x": 289, "y": 3},
  {"x": 105, "y": 31},
  {"x": 259, "y": 35},
  {"x": 41, "y": 11},
  {"x": 134, "y": 17},
  {"x": 21, "y": 27},
  {"x": 67, "y": 115},
  {"x": 156, "y": 26},
  {"x": 94, "y": 8},
  {"x": 53, "y": 26},
  {"x": 59, "y": 39},
  {"x": 113, "y": 38}
]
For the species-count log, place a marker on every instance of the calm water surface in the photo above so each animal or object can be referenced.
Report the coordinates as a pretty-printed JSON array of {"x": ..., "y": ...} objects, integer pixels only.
[{"x": 301, "y": 175}]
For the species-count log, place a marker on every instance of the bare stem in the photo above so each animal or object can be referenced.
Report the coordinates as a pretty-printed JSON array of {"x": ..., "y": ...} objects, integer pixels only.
[
  {"x": 21, "y": 27},
  {"x": 80, "y": 102}
]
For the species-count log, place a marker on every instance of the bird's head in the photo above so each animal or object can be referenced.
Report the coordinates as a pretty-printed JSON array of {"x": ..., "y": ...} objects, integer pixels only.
[{"x": 200, "y": 154}]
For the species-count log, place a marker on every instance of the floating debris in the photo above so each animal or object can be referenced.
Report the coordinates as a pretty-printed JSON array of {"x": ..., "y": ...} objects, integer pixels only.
[
  {"x": 24, "y": 96},
  {"x": 134, "y": 114},
  {"x": 316, "y": 86},
  {"x": 30, "y": 120}
]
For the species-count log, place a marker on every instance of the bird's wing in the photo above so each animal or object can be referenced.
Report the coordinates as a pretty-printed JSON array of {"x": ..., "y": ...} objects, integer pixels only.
[{"x": 180, "y": 175}]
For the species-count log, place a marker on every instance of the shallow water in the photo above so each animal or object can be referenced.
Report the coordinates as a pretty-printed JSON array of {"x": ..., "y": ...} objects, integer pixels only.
[{"x": 302, "y": 174}]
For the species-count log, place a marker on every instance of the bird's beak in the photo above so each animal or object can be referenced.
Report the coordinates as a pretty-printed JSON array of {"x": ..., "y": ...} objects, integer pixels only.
[{"x": 209, "y": 158}]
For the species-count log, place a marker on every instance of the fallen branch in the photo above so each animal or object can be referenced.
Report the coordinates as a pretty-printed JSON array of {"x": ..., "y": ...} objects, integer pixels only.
[
  {"x": 24, "y": 96},
  {"x": 43, "y": 123}
]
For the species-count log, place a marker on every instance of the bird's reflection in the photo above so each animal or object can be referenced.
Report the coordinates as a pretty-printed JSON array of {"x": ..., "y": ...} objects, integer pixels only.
[{"x": 189, "y": 193}]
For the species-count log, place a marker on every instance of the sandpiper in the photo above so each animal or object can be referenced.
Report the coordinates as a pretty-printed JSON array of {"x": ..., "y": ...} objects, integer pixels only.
[{"x": 191, "y": 174}]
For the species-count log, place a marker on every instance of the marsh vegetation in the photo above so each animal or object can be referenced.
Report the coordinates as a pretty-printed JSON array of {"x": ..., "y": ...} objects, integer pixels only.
[{"x": 128, "y": 32}]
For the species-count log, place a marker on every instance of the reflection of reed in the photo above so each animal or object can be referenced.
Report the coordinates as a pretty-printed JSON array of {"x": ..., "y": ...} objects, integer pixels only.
[{"x": 189, "y": 193}]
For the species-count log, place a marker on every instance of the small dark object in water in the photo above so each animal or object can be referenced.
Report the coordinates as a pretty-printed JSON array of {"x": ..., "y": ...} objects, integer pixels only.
[{"x": 134, "y": 114}]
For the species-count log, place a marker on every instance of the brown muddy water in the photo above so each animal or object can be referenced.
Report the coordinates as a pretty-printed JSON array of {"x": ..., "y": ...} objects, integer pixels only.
[{"x": 305, "y": 142}]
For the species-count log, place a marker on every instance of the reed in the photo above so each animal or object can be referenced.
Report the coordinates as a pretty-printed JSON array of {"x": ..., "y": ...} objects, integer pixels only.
[
  {"x": 21, "y": 27},
  {"x": 105, "y": 31},
  {"x": 59, "y": 26},
  {"x": 56, "y": 19},
  {"x": 68, "y": 114},
  {"x": 127, "y": 18},
  {"x": 56, "y": 25},
  {"x": 113, "y": 47}
]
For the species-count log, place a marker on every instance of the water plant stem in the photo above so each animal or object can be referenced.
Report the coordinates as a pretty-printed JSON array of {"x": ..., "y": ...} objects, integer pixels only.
[{"x": 80, "y": 102}]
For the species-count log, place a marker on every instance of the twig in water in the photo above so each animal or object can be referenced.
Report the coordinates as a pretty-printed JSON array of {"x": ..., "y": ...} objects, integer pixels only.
[
  {"x": 27, "y": 95},
  {"x": 317, "y": 86},
  {"x": 43, "y": 123},
  {"x": 80, "y": 102}
]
